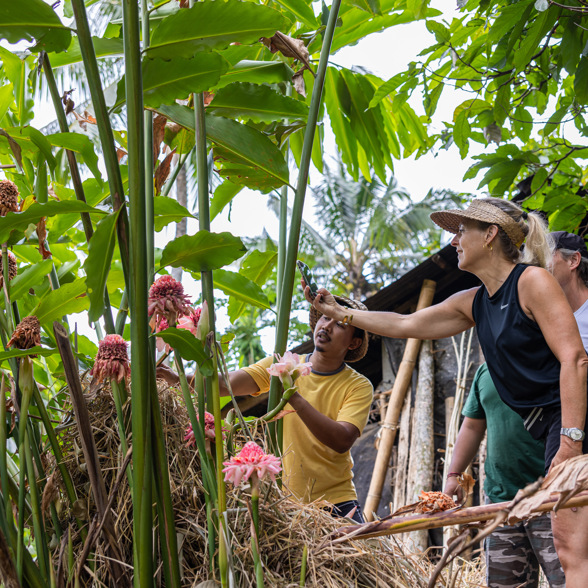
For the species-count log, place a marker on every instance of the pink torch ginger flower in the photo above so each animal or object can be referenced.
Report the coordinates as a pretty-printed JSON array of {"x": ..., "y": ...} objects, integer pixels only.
[
  {"x": 190, "y": 321},
  {"x": 209, "y": 431},
  {"x": 167, "y": 300},
  {"x": 112, "y": 360},
  {"x": 288, "y": 368},
  {"x": 251, "y": 461}
]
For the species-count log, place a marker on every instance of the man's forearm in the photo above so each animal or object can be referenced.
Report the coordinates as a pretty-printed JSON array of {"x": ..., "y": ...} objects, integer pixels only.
[
  {"x": 338, "y": 436},
  {"x": 467, "y": 444}
]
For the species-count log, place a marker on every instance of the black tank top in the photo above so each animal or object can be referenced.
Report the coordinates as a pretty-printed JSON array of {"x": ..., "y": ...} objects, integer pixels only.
[{"x": 523, "y": 368}]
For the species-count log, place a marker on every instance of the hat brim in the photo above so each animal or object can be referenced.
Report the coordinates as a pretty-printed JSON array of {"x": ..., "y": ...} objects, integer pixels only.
[{"x": 450, "y": 220}]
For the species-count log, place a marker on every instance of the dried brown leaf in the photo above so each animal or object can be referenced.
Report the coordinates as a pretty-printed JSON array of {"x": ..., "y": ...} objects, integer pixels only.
[
  {"x": 50, "y": 494},
  {"x": 467, "y": 483},
  {"x": 42, "y": 237},
  {"x": 158, "y": 134},
  {"x": 120, "y": 153},
  {"x": 208, "y": 97},
  {"x": 298, "y": 81},
  {"x": 14, "y": 147},
  {"x": 288, "y": 47},
  {"x": 566, "y": 479},
  {"x": 162, "y": 172}
]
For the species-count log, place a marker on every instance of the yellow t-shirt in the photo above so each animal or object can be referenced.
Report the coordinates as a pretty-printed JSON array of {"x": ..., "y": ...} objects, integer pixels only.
[{"x": 311, "y": 470}]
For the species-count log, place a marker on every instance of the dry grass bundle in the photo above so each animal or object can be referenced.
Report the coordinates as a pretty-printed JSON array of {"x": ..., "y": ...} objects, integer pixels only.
[{"x": 286, "y": 526}]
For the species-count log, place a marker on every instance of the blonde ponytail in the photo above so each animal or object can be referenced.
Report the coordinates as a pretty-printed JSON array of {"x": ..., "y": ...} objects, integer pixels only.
[{"x": 536, "y": 244}]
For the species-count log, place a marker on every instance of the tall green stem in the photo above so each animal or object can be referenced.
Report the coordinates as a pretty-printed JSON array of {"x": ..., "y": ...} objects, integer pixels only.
[
  {"x": 141, "y": 361},
  {"x": 208, "y": 296},
  {"x": 285, "y": 302},
  {"x": 75, "y": 174},
  {"x": 104, "y": 129},
  {"x": 149, "y": 163},
  {"x": 3, "y": 439}
]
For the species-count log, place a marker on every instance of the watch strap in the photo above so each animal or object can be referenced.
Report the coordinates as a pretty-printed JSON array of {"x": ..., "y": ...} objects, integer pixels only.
[{"x": 573, "y": 433}]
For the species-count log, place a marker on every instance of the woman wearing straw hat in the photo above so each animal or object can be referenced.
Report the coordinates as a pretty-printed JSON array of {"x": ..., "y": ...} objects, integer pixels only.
[{"x": 527, "y": 332}]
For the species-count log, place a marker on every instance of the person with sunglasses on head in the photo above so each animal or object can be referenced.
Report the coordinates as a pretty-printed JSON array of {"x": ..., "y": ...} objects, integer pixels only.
[{"x": 527, "y": 332}]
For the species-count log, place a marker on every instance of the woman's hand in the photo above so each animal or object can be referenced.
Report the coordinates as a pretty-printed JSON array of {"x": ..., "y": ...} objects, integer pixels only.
[
  {"x": 567, "y": 450},
  {"x": 324, "y": 301}
]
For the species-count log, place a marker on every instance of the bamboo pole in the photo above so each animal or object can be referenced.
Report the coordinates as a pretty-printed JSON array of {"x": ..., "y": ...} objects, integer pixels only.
[
  {"x": 474, "y": 514},
  {"x": 422, "y": 456},
  {"x": 390, "y": 425}
]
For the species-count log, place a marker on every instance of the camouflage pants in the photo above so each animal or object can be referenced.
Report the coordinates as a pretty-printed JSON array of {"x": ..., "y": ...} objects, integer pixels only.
[{"x": 514, "y": 553}]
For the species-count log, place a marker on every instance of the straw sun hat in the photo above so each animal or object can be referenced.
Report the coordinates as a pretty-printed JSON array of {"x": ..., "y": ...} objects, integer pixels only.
[
  {"x": 484, "y": 211},
  {"x": 352, "y": 354}
]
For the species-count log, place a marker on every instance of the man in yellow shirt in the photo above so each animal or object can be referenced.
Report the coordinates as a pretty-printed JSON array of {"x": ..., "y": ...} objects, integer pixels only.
[{"x": 332, "y": 408}]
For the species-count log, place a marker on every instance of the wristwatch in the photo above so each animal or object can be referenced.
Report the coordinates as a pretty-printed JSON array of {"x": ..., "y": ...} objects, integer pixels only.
[{"x": 573, "y": 433}]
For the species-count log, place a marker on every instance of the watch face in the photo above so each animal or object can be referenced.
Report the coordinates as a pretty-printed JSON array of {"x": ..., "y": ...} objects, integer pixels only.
[{"x": 576, "y": 435}]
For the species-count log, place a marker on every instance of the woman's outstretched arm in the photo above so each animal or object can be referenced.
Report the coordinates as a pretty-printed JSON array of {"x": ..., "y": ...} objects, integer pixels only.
[{"x": 445, "y": 319}]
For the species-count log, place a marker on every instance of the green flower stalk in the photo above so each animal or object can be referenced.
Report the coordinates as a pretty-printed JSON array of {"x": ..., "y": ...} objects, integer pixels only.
[
  {"x": 288, "y": 368},
  {"x": 253, "y": 463},
  {"x": 112, "y": 363},
  {"x": 26, "y": 335}
]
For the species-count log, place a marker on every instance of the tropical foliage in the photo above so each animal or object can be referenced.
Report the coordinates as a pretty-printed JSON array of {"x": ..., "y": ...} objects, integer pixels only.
[
  {"x": 238, "y": 84},
  {"x": 525, "y": 65}
]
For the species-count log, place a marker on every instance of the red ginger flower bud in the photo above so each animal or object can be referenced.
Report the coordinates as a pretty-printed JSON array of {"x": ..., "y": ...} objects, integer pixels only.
[
  {"x": 112, "y": 360},
  {"x": 167, "y": 300},
  {"x": 8, "y": 197},
  {"x": 27, "y": 333},
  {"x": 12, "y": 268}
]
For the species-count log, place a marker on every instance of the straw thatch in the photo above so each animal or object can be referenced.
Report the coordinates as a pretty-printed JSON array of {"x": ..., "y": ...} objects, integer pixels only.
[{"x": 286, "y": 525}]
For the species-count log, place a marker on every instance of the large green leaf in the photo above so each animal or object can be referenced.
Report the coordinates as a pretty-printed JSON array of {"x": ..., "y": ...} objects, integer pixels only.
[
  {"x": 190, "y": 348},
  {"x": 164, "y": 81},
  {"x": 256, "y": 103},
  {"x": 97, "y": 264},
  {"x": 240, "y": 287},
  {"x": 258, "y": 265},
  {"x": 581, "y": 81},
  {"x": 81, "y": 145},
  {"x": 68, "y": 299},
  {"x": 346, "y": 141},
  {"x": 203, "y": 251},
  {"x": 213, "y": 25},
  {"x": 530, "y": 42},
  {"x": 302, "y": 11},
  {"x": 6, "y": 99},
  {"x": 103, "y": 47},
  {"x": 29, "y": 278},
  {"x": 4, "y": 355},
  {"x": 168, "y": 210},
  {"x": 371, "y": 6},
  {"x": 33, "y": 20},
  {"x": 222, "y": 196},
  {"x": 240, "y": 146},
  {"x": 19, "y": 221},
  {"x": 256, "y": 268},
  {"x": 357, "y": 24},
  {"x": 257, "y": 72},
  {"x": 32, "y": 139}
]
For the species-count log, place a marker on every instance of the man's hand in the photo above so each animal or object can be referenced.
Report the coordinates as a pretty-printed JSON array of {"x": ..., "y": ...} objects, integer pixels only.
[
  {"x": 452, "y": 488},
  {"x": 337, "y": 435}
]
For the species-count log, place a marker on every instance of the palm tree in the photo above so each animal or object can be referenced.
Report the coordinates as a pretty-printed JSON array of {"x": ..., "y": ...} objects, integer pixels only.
[{"x": 369, "y": 233}]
